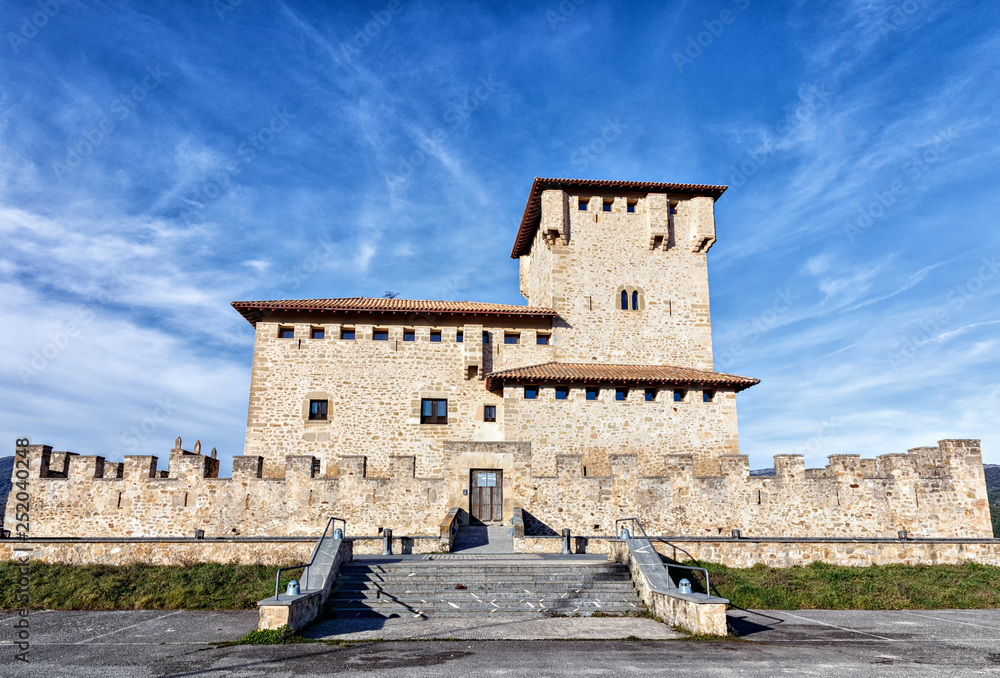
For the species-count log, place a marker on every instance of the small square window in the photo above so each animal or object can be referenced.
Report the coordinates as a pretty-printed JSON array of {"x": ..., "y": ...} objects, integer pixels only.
[
  {"x": 621, "y": 394},
  {"x": 592, "y": 392},
  {"x": 409, "y": 335},
  {"x": 582, "y": 205},
  {"x": 436, "y": 336},
  {"x": 317, "y": 410},
  {"x": 650, "y": 395},
  {"x": 347, "y": 333},
  {"x": 433, "y": 411},
  {"x": 673, "y": 209},
  {"x": 630, "y": 206},
  {"x": 460, "y": 337},
  {"x": 317, "y": 333},
  {"x": 708, "y": 395},
  {"x": 512, "y": 338},
  {"x": 380, "y": 335},
  {"x": 607, "y": 205},
  {"x": 562, "y": 392},
  {"x": 530, "y": 392},
  {"x": 679, "y": 394},
  {"x": 486, "y": 337},
  {"x": 286, "y": 333},
  {"x": 489, "y": 412},
  {"x": 542, "y": 339}
]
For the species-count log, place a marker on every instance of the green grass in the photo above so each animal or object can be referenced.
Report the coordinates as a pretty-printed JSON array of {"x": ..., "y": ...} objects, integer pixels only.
[
  {"x": 878, "y": 587},
  {"x": 206, "y": 586}
]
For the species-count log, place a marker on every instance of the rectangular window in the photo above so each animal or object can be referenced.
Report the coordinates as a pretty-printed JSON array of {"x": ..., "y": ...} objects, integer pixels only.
[
  {"x": 650, "y": 395},
  {"x": 409, "y": 335},
  {"x": 347, "y": 333},
  {"x": 433, "y": 411},
  {"x": 607, "y": 205},
  {"x": 542, "y": 339},
  {"x": 630, "y": 206},
  {"x": 317, "y": 410},
  {"x": 621, "y": 394},
  {"x": 460, "y": 337},
  {"x": 708, "y": 395},
  {"x": 486, "y": 337},
  {"x": 530, "y": 392},
  {"x": 562, "y": 392},
  {"x": 489, "y": 412},
  {"x": 436, "y": 336},
  {"x": 317, "y": 333},
  {"x": 592, "y": 392},
  {"x": 582, "y": 204},
  {"x": 512, "y": 338},
  {"x": 679, "y": 395},
  {"x": 380, "y": 335},
  {"x": 286, "y": 333}
]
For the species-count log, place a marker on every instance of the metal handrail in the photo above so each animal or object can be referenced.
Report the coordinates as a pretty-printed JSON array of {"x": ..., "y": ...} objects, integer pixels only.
[
  {"x": 312, "y": 558},
  {"x": 636, "y": 524}
]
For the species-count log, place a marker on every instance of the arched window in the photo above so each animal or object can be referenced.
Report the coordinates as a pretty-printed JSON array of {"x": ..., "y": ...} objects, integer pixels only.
[
  {"x": 624, "y": 300},
  {"x": 635, "y": 300}
]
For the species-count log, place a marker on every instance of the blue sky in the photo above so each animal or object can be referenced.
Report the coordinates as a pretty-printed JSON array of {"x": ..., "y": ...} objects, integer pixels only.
[{"x": 159, "y": 160}]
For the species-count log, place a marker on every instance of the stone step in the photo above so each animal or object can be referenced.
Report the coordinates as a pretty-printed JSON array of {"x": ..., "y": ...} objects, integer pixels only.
[
  {"x": 528, "y": 608},
  {"x": 491, "y": 571},
  {"x": 497, "y": 587},
  {"x": 453, "y": 595},
  {"x": 460, "y": 577}
]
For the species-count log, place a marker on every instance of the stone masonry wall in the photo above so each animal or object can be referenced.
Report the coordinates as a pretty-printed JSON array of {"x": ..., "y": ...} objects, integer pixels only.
[{"x": 929, "y": 492}]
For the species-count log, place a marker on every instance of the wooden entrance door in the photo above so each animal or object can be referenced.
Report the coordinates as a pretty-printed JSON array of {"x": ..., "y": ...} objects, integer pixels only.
[{"x": 486, "y": 496}]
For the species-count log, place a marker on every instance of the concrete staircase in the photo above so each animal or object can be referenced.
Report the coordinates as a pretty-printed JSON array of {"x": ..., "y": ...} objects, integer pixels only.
[{"x": 473, "y": 586}]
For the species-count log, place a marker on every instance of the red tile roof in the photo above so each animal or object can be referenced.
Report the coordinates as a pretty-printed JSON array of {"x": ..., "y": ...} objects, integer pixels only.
[
  {"x": 533, "y": 209},
  {"x": 588, "y": 373},
  {"x": 252, "y": 310}
]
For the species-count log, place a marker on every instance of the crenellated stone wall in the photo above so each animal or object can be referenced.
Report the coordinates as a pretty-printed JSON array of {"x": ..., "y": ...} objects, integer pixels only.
[{"x": 928, "y": 492}]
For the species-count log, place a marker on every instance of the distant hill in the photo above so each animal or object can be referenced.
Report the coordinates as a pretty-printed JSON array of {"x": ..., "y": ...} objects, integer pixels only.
[
  {"x": 992, "y": 476},
  {"x": 6, "y": 467}
]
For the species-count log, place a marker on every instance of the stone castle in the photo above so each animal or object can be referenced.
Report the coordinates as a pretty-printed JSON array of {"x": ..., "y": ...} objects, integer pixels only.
[{"x": 595, "y": 401}]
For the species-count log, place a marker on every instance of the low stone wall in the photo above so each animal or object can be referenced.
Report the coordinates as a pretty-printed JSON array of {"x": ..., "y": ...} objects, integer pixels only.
[
  {"x": 289, "y": 551},
  {"x": 298, "y": 611}
]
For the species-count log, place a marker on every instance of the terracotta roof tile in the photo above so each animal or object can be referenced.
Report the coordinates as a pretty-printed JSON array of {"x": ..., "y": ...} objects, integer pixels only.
[
  {"x": 533, "y": 209},
  {"x": 588, "y": 373},
  {"x": 251, "y": 310}
]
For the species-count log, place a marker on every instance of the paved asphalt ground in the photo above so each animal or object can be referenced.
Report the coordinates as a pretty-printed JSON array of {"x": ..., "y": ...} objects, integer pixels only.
[{"x": 800, "y": 643}]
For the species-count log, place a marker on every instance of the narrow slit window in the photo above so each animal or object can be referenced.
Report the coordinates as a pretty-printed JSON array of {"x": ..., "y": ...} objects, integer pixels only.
[
  {"x": 650, "y": 395},
  {"x": 542, "y": 339},
  {"x": 562, "y": 392},
  {"x": 607, "y": 205},
  {"x": 286, "y": 333},
  {"x": 582, "y": 205},
  {"x": 489, "y": 412},
  {"x": 486, "y": 337},
  {"x": 621, "y": 394},
  {"x": 460, "y": 337},
  {"x": 530, "y": 392},
  {"x": 409, "y": 335},
  {"x": 436, "y": 336},
  {"x": 317, "y": 410},
  {"x": 347, "y": 333},
  {"x": 679, "y": 395},
  {"x": 317, "y": 333},
  {"x": 708, "y": 395},
  {"x": 592, "y": 392},
  {"x": 630, "y": 206},
  {"x": 624, "y": 300},
  {"x": 433, "y": 411},
  {"x": 635, "y": 300},
  {"x": 380, "y": 335}
]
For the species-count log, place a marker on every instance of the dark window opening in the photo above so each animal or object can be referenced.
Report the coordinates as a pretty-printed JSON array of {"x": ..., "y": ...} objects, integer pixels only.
[
  {"x": 562, "y": 392},
  {"x": 530, "y": 392},
  {"x": 460, "y": 337},
  {"x": 673, "y": 209},
  {"x": 436, "y": 336},
  {"x": 317, "y": 410},
  {"x": 650, "y": 395},
  {"x": 621, "y": 394},
  {"x": 380, "y": 335},
  {"x": 433, "y": 411},
  {"x": 512, "y": 338},
  {"x": 542, "y": 339},
  {"x": 489, "y": 412},
  {"x": 635, "y": 300},
  {"x": 607, "y": 205},
  {"x": 678, "y": 395},
  {"x": 708, "y": 395},
  {"x": 317, "y": 333},
  {"x": 286, "y": 333},
  {"x": 592, "y": 392},
  {"x": 630, "y": 206},
  {"x": 409, "y": 335},
  {"x": 583, "y": 204},
  {"x": 624, "y": 300},
  {"x": 347, "y": 333},
  {"x": 486, "y": 337}
]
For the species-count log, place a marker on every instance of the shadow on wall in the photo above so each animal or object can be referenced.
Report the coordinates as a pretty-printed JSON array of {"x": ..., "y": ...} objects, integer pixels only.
[{"x": 533, "y": 527}]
